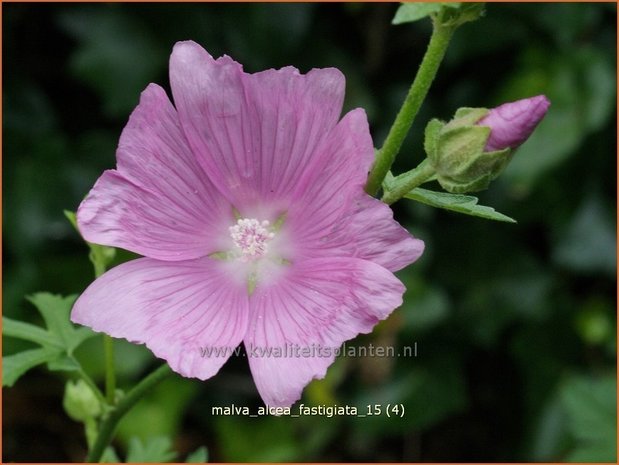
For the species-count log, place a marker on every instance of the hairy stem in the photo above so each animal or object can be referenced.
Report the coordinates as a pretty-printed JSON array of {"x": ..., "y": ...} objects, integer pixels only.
[
  {"x": 408, "y": 181},
  {"x": 385, "y": 156}
]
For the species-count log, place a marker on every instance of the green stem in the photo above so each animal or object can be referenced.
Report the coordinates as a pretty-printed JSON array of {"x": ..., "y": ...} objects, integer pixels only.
[
  {"x": 441, "y": 35},
  {"x": 108, "y": 425},
  {"x": 108, "y": 342},
  {"x": 110, "y": 373},
  {"x": 408, "y": 181}
]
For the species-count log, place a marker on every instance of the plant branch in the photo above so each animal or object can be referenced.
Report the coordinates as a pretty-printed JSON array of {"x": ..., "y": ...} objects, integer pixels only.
[
  {"x": 408, "y": 181},
  {"x": 108, "y": 426},
  {"x": 385, "y": 156}
]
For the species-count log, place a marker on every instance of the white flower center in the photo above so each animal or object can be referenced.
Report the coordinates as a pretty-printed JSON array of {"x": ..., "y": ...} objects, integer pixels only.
[{"x": 251, "y": 237}]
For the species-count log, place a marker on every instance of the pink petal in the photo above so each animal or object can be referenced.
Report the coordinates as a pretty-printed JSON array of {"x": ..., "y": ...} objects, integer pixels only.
[
  {"x": 327, "y": 192},
  {"x": 512, "y": 123},
  {"x": 321, "y": 303},
  {"x": 372, "y": 234},
  {"x": 175, "y": 308},
  {"x": 158, "y": 202},
  {"x": 255, "y": 134}
]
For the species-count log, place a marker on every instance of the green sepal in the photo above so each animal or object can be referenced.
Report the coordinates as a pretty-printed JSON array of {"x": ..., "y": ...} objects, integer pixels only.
[
  {"x": 455, "y": 159},
  {"x": 476, "y": 175},
  {"x": 456, "y": 151},
  {"x": 467, "y": 116},
  {"x": 431, "y": 138}
]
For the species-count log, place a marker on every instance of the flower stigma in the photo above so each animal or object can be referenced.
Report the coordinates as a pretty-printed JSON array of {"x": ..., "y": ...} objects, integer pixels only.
[{"x": 251, "y": 237}]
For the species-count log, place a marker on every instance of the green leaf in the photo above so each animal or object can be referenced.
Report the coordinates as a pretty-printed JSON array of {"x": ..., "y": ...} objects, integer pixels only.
[
  {"x": 55, "y": 310},
  {"x": 591, "y": 406},
  {"x": 14, "y": 366},
  {"x": 200, "y": 455},
  {"x": 57, "y": 342},
  {"x": 414, "y": 11},
  {"x": 152, "y": 450},
  {"x": 466, "y": 204},
  {"x": 447, "y": 13},
  {"x": 63, "y": 363},
  {"x": 28, "y": 332}
]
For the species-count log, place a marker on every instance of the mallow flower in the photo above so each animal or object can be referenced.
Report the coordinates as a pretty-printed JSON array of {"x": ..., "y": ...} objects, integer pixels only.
[{"x": 246, "y": 200}]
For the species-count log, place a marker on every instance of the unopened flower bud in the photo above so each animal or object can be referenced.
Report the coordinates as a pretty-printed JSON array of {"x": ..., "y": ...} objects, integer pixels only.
[
  {"x": 512, "y": 123},
  {"x": 474, "y": 148},
  {"x": 80, "y": 402}
]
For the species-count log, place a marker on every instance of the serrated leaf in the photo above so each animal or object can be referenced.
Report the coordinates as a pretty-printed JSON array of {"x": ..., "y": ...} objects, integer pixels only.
[
  {"x": 57, "y": 342},
  {"x": 466, "y": 204},
  {"x": 14, "y": 366},
  {"x": 28, "y": 332},
  {"x": 55, "y": 310},
  {"x": 414, "y": 11},
  {"x": 152, "y": 450},
  {"x": 200, "y": 455}
]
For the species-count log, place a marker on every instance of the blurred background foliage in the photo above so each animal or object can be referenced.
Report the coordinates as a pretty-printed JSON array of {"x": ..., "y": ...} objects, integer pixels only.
[{"x": 514, "y": 324}]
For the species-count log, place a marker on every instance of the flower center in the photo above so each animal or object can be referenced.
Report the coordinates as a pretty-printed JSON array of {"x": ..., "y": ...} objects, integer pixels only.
[{"x": 251, "y": 237}]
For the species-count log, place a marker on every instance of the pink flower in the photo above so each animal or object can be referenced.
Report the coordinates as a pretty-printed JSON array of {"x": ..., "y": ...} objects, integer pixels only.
[
  {"x": 247, "y": 202},
  {"x": 512, "y": 123}
]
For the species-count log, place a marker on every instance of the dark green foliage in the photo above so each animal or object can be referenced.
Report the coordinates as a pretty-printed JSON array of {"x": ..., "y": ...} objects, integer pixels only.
[{"x": 514, "y": 323}]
